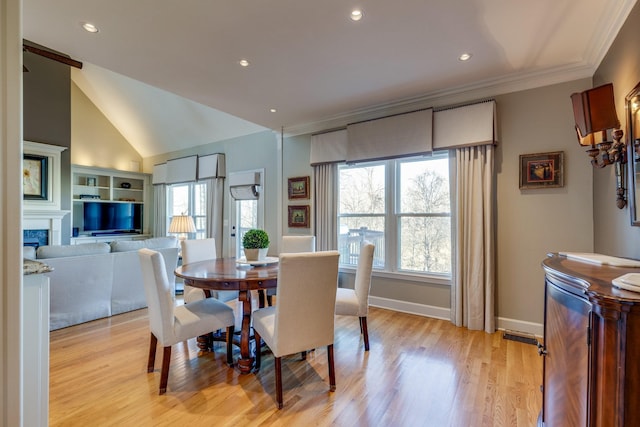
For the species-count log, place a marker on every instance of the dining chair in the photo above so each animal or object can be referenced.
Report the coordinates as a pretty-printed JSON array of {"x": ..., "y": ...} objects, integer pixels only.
[
  {"x": 201, "y": 250},
  {"x": 171, "y": 324},
  {"x": 304, "y": 316},
  {"x": 355, "y": 302},
  {"x": 293, "y": 244}
]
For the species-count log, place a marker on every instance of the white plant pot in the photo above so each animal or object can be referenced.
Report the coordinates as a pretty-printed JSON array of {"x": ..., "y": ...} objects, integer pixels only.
[{"x": 256, "y": 254}]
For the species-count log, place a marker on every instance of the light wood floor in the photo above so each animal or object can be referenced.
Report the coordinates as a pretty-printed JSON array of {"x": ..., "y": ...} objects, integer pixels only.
[{"x": 419, "y": 372}]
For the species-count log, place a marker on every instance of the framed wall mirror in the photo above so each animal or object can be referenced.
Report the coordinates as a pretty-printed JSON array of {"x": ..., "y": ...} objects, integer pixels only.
[{"x": 633, "y": 153}]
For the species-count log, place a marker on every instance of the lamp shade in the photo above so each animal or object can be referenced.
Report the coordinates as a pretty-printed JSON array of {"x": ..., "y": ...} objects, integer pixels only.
[
  {"x": 182, "y": 224},
  {"x": 594, "y": 111}
]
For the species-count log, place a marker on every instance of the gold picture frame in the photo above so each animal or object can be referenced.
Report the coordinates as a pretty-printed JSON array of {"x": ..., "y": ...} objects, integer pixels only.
[
  {"x": 299, "y": 216},
  {"x": 298, "y": 188},
  {"x": 542, "y": 170}
]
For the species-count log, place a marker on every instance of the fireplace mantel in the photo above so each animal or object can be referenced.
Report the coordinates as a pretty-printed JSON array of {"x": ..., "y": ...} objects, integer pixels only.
[{"x": 46, "y": 214}]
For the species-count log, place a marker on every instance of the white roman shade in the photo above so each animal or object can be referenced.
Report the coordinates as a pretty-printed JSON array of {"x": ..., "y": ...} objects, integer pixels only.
[
  {"x": 329, "y": 147},
  {"x": 159, "y": 174},
  {"x": 211, "y": 166},
  {"x": 245, "y": 185},
  {"x": 182, "y": 170},
  {"x": 390, "y": 137},
  {"x": 465, "y": 126}
]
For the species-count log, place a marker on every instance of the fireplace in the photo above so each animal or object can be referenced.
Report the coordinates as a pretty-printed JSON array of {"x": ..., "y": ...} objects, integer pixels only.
[{"x": 35, "y": 238}]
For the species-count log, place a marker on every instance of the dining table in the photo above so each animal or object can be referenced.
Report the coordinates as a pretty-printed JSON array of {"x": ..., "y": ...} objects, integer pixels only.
[{"x": 231, "y": 274}]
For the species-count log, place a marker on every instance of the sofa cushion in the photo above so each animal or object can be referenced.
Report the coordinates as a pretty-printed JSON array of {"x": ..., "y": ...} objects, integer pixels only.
[
  {"x": 29, "y": 252},
  {"x": 153, "y": 243},
  {"x": 57, "y": 251}
]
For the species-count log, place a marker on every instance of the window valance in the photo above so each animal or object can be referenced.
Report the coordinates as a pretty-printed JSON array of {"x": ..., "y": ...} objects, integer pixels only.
[
  {"x": 465, "y": 126},
  {"x": 189, "y": 169},
  {"x": 329, "y": 147},
  {"x": 394, "y": 136}
]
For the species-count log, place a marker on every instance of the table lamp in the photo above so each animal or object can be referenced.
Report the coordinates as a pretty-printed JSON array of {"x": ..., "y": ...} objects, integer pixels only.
[{"x": 181, "y": 225}]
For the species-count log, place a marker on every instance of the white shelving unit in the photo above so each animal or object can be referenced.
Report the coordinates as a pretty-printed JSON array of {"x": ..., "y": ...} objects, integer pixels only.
[{"x": 108, "y": 185}]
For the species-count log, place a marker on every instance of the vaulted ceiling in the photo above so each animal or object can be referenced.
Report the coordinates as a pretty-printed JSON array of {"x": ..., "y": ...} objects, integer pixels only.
[{"x": 167, "y": 74}]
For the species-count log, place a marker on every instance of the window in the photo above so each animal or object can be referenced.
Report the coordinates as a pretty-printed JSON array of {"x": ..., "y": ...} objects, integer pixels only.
[
  {"x": 403, "y": 207},
  {"x": 189, "y": 198}
]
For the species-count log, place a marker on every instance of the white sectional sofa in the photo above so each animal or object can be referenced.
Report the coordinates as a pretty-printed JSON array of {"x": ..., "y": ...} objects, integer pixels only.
[{"x": 95, "y": 280}]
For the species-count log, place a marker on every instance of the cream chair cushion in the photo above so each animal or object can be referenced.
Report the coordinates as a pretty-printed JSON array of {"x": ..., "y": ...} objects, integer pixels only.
[
  {"x": 296, "y": 244},
  {"x": 304, "y": 316},
  {"x": 201, "y": 250},
  {"x": 355, "y": 302},
  {"x": 168, "y": 322}
]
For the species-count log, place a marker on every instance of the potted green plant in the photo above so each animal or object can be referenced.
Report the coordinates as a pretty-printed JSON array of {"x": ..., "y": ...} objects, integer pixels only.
[{"x": 256, "y": 244}]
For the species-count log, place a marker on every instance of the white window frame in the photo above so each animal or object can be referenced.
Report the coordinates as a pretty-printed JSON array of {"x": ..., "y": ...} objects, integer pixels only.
[
  {"x": 200, "y": 233},
  {"x": 392, "y": 223},
  {"x": 235, "y": 244}
]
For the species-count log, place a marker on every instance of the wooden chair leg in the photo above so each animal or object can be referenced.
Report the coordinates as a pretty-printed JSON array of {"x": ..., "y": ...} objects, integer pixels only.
[
  {"x": 278, "y": 363},
  {"x": 153, "y": 343},
  {"x": 230, "y": 331},
  {"x": 303, "y": 355},
  {"x": 164, "y": 376},
  {"x": 332, "y": 371},
  {"x": 258, "y": 355},
  {"x": 269, "y": 300},
  {"x": 365, "y": 332}
]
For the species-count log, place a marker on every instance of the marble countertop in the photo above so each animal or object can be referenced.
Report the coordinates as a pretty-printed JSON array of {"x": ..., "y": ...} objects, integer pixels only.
[{"x": 30, "y": 266}]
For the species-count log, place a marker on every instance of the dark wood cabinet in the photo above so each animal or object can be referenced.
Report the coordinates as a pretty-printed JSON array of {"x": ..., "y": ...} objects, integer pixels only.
[{"x": 591, "y": 369}]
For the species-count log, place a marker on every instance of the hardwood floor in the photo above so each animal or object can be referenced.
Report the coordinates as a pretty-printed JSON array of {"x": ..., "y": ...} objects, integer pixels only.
[{"x": 419, "y": 372}]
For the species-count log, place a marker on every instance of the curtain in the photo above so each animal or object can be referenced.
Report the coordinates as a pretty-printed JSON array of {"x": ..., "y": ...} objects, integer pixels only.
[
  {"x": 472, "y": 298},
  {"x": 159, "y": 210},
  {"x": 215, "y": 210},
  {"x": 326, "y": 204}
]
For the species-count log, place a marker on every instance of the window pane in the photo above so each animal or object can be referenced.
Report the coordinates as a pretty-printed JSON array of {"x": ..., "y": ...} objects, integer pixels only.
[
  {"x": 426, "y": 244},
  {"x": 179, "y": 199},
  {"x": 355, "y": 230},
  {"x": 362, "y": 190},
  {"x": 200, "y": 199},
  {"x": 424, "y": 186}
]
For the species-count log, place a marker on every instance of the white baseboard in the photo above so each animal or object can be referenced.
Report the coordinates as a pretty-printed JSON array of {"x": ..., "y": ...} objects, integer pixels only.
[
  {"x": 411, "y": 308},
  {"x": 536, "y": 329},
  {"x": 502, "y": 323}
]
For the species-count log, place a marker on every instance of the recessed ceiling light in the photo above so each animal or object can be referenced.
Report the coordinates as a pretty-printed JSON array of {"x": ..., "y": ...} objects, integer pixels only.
[
  {"x": 244, "y": 62},
  {"x": 356, "y": 15},
  {"x": 273, "y": 110},
  {"x": 465, "y": 57},
  {"x": 89, "y": 27}
]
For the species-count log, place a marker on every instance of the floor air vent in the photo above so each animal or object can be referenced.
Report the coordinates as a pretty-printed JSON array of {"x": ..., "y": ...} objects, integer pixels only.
[{"x": 520, "y": 337}]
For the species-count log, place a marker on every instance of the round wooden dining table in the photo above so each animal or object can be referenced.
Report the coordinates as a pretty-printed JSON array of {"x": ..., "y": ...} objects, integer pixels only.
[{"x": 226, "y": 274}]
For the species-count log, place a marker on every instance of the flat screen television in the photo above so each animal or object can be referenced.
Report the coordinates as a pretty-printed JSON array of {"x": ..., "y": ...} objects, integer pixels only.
[{"x": 112, "y": 217}]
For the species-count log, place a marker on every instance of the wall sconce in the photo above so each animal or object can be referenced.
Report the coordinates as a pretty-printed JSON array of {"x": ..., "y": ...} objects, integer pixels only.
[
  {"x": 595, "y": 115},
  {"x": 182, "y": 224}
]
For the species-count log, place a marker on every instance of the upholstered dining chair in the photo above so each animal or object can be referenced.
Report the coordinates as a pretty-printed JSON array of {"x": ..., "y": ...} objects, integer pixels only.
[
  {"x": 201, "y": 250},
  {"x": 355, "y": 302},
  {"x": 171, "y": 324},
  {"x": 304, "y": 316},
  {"x": 293, "y": 244}
]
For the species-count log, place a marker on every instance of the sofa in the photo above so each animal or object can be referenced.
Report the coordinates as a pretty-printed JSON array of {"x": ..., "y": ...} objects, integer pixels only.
[{"x": 94, "y": 280}]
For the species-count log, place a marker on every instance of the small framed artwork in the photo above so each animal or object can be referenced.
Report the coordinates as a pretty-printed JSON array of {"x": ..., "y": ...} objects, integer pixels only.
[
  {"x": 542, "y": 170},
  {"x": 34, "y": 177},
  {"x": 299, "y": 188},
  {"x": 299, "y": 216},
  {"x": 91, "y": 182}
]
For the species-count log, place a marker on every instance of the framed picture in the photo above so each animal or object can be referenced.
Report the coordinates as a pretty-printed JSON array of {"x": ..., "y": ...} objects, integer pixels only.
[
  {"x": 299, "y": 216},
  {"x": 91, "y": 182},
  {"x": 542, "y": 170},
  {"x": 299, "y": 188},
  {"x": 34, "y": 177}
]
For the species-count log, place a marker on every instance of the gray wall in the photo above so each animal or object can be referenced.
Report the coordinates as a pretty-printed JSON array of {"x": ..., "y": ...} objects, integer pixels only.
[
  {"x": 47, "y": 117},
  {"x": 250, "y": 152},
  {"x": 613, "y": 233}
]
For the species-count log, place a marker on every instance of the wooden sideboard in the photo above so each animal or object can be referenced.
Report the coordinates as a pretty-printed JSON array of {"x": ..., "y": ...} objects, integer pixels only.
[{"x": 591, "y": 369}]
